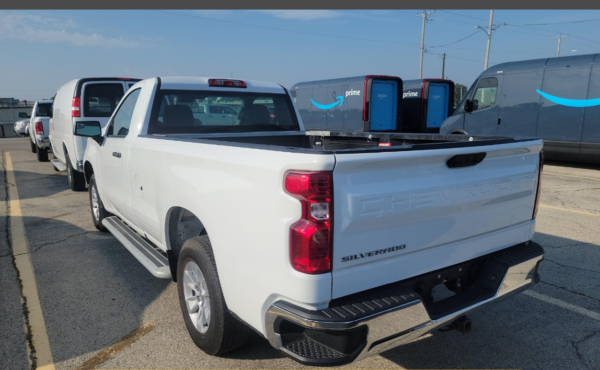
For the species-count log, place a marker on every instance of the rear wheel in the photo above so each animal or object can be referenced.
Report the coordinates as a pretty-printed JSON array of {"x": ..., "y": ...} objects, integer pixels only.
[
  {"x": 210, "y": 324},
  {"x": 76, "y": 179},
  {"x": 33, "y": 147},
  {"x": 97, "y": 208},
  {"x": 42, "y": 154}
]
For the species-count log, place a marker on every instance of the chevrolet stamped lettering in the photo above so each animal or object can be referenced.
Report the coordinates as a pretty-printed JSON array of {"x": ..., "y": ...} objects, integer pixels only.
[
  {"x": 373, "y": 253},
  {"x": 393, "y": 203}
]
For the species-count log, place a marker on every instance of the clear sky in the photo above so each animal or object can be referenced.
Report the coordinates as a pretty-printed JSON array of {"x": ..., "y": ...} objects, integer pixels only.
[{"x": 41, "y": 50}]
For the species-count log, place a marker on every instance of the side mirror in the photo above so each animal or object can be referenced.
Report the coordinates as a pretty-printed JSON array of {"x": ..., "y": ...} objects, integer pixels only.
[
  {"x": 468, "y": 105},
  {"x": 23, "y": 115},
  {"x": 88, "y": 129}
]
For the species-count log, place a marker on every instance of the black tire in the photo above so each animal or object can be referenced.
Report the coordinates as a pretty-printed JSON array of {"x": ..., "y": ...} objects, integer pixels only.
[
  {"x": 42, "y": 154},
  {"x": 75, "y": 178},
  {"x": 102, "y": 213},
  {"x": 225, "y": 333},
  {"x": 33, "y": 146}
]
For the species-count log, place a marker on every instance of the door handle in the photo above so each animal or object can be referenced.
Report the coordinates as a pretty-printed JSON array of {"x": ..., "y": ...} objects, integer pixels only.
[
  {"x": 117, "y": 154},
  {"x": 499, "y": 120}
]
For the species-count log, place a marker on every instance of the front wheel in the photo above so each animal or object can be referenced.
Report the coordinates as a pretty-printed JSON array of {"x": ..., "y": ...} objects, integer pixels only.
[{"x": 208, "y": 321}]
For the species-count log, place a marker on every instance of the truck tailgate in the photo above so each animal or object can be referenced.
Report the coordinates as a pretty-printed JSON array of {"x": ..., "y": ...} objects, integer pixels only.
[{"x": 399, "y": 214}]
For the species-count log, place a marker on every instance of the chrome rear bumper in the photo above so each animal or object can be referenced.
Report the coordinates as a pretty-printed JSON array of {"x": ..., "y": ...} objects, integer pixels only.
[{"x": 376, "y": 321}]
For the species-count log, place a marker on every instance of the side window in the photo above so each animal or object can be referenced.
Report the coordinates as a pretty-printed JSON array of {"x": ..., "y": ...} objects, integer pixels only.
[
  {"x": 214, "y": 109},
  {"x": 119, "y": 126},
  {"x": 485, "y": 95}
]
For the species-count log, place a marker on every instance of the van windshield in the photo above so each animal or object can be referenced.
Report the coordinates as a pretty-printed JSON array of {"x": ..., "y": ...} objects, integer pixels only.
[
  {"x": 101, "y": 99},
  {"x": 188, "y": 112}
]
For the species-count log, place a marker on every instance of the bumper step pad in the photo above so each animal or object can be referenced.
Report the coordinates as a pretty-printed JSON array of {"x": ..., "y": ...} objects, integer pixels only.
[{"x": 309, "y": 348}]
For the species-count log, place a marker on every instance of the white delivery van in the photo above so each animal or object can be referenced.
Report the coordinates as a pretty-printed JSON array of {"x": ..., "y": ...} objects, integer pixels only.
[{"x": 81, "y": 100}]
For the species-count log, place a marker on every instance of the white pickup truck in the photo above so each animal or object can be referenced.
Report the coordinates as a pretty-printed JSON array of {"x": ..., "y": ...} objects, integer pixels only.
[
  {"x": 332, "y": 247},
  {"x": 40, "y": 128}
]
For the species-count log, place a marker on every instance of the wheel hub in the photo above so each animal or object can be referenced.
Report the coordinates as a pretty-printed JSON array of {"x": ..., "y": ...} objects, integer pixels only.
[{"x": 197, "y": 298}]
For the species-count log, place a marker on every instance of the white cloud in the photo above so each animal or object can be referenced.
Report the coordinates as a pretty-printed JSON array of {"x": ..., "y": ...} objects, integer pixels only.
[
  {"x": 304, "y": 15},
  {"x": 34, "y": 28}
]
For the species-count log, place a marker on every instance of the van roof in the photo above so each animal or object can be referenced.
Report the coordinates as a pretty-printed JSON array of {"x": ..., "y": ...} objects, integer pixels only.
[
  {"x": 201, "y": 83},
  {"x": 574, "y": 61}
]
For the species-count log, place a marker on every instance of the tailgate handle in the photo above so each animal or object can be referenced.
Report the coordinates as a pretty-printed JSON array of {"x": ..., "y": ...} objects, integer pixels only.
[{"x": 465, "y": 160}]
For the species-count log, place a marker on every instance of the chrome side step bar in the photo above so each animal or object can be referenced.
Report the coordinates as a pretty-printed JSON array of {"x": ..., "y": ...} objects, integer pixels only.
[
  {"x": 148, "y": 255},
  {"x": 58, "y": 165}
]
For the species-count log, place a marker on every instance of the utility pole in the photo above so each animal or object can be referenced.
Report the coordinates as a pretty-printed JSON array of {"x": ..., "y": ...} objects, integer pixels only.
[
  {"x": 443, "y": 64},
  {"x": 425, "y": 20},
  {"x": 489, "y": 31},
  {"x": 559, "y": 38}
]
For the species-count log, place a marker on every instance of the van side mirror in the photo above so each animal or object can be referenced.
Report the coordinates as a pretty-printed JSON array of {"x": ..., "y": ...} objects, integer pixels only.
[
  {"x": 468, "y": 105},
  {"x": 24, "y": 115},
  {"x": 88, "y": 128}
]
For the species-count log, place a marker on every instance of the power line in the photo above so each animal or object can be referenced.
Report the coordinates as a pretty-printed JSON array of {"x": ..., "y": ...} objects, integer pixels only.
[
  {"x": 553, "y": 23},
  {"x": 462, "y": 15},
  {"x": 283, "y": 29},
  {"x": 452, "y": 56},
  {"x": 457, "y": 41}
]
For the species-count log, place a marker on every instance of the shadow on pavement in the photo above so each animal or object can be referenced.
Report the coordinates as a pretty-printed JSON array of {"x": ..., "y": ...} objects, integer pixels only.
[
  {"x": 92, "y": 290},
  {"x": 523, "y": 332}
]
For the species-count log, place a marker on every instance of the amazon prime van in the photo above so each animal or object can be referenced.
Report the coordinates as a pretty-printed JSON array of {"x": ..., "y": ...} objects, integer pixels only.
[
  {"x": 360, "y": 104},
  {"x": 426, "y": 103},
  {"x": 555, "y": 99},
  {"x": 81, "y": 100}
]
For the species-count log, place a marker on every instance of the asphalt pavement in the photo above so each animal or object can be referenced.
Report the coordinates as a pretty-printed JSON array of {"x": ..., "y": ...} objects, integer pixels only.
[{"x": 94, "y": 293}]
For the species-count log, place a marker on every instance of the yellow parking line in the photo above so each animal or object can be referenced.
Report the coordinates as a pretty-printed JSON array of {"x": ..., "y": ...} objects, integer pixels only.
[
  {"x": 570, "y": 210},
  {"x": 578, "y": 177},
  {"x": 39, "y": 337}
]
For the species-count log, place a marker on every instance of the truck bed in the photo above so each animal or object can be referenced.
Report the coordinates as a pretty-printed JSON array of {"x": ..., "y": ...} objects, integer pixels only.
[{"x": 331, "y": 142}]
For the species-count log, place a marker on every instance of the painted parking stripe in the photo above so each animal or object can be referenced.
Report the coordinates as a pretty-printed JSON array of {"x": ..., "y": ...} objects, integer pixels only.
[
  {"x": 23, "y": 263},
  {"x": 563, "y": 304},
  {"x": 577, "y": 177},
  {"x": 570, "y": 210}
]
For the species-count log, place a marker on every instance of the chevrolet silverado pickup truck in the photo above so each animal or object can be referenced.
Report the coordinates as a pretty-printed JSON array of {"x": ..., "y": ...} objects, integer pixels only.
[{"x": 332, "y": 246}]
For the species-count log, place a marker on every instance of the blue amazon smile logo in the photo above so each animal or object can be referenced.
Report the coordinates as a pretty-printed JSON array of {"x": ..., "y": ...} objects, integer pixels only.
[
  {"x": 339, "y": 100},
  {"x": 578, "y": 103}
]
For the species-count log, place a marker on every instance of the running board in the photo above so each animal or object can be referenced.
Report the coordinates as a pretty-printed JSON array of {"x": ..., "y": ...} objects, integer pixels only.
[
  {"x": 61, "y": 167},
  {"x": 148, "y": 255}
]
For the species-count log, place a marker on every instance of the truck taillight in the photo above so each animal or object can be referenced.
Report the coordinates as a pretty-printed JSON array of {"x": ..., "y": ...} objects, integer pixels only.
[
  {"x": 216, "y": 82},
  {"x": 539, "y": 186},
  {"x": 310, "y": 237},
  {"x": 76, "y": 108},
  {"x": 39, "y": 128}
]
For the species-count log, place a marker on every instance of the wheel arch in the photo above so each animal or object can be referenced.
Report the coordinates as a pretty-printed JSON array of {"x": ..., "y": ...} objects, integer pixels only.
[
  {"x": 181, "y": 224},
  {"x": 88, "y": 171}
]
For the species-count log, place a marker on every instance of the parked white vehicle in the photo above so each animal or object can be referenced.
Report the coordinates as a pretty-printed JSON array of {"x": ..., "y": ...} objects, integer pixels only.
[
  {"x": 39, "y": 129},
  {"x": 81, "y": 100},
  {"x": 327, "y": 245},
  {"x": 20, "y": 127}
]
